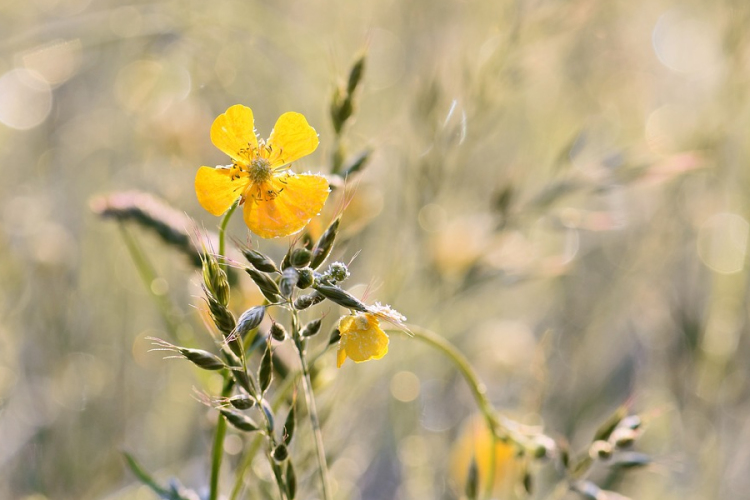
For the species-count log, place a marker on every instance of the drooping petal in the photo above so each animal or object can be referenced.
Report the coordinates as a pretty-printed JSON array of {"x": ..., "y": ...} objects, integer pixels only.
[
  {"x": 291, "y": 139},
  {"x": 234, "y": 132},
  {"x": 340, "y": 356},
  {"x": 362, "y": 339},
  {"x": 218, "y": 188},
  {"x": 285, "y": 204}
]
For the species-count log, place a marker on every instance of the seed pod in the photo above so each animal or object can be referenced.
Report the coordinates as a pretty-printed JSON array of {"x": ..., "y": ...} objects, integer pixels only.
[
  {"x": 280, "y": 453},
  {"x": 289, "y": 278},
  {"x": 609, "y": 425},
  {"x": 631, "y": 422},
  {"x": 356, "y": 74},
  {"x": 305, "y": 278},
  {"x": 265, "y": 371},
  {"x": 242, "y": 401},
  {"x": 600, "y": 450},
  {"x": 301, "y": 257},
  {"x": 622, "y": 437},
  {"x": 311, "y": 328},
  {"x": 287, "y": 261},
  {"x": 472, "y": 480},
  {"x": 260, "y": 261},
  {"x": 305, "y": 301},
  {"x": 631, "y": 460},
  {"x": 336, "y": 100},
  {"x": 291, "y": 481},
  {"x": 215, "y": 279},
  {"x": 335, "y": 336},
  {"x": 340, "y": 297},
  {"x": 223, "y": 318},
  {"x": 243, "y": 380},
  {"x": 528, "y": 484},
  {"x": 278, "y": 332},
  {"x": 249, "y": 320},
  {"x": 356, "y": 164},
  {"x": 203, "y": 359},
  {"x": 240, "y": 421},
  {"x": 267, "y": 286},
  {"x": 325, "y": 244},
  {"x": 289, "y": 425},
  {"x": 269, "y": 414}
]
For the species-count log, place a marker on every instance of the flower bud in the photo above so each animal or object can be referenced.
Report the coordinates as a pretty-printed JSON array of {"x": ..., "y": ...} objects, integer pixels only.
[
  {"x": 267, "y": 286},
  {"x": 325, "y": 244},
  {"x": 622, "y": 437},
  {"x": 203, "y": 359},
  {"x": 280, "y": 453},
  {"x": 242, "y": 401},
  {"x": 301, "y": 257},
  {"x": 305, "y": 278},
  {"x": 311, "y": 328},
  {"x": 600, "y": 450},
  {"x": 340, "y": 297},
  {"x": 338, "y": 271},
  {"x": 278, "y": 332},
  {"x": 305, "y": 301},
  {"x": 260, "y": 261},
  {"x": 240, "y": 421}
]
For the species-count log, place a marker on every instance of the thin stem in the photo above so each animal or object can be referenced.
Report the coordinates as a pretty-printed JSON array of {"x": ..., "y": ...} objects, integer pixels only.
[
  {"x": 312, "y": 411},
  {"x": 222, "y": 232},
  {"x": 282, "y": 394},
  {"x": 478, "y": 389},
  {"x": 217, "y": 451}
]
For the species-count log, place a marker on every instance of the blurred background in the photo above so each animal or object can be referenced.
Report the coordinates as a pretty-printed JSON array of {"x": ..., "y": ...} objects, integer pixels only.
[{"x": 558, "y": 188}]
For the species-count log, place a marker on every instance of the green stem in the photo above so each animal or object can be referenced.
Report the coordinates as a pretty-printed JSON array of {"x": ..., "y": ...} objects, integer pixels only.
[
  {"x": 311, "y": 409},
  {"x": 281, "y": 395},
  {"x": 217, "y": 451},
  {"x": 222, "y": 232},
  {"x": 478, "y": 389}
]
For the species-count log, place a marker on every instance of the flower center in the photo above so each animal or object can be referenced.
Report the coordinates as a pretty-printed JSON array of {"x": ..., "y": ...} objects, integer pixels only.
[{"x": 259, "y": 170}]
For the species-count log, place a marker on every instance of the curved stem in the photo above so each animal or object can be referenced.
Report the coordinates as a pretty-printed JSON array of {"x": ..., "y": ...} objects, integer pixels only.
[
  {"x": 217, "y": 451},
  {"x": 478, "y": 389}
]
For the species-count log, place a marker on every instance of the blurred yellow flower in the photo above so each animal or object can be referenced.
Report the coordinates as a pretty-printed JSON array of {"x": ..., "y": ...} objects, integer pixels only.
[
  {"x": 362, "y": 339},
  {"x": 277, "y": 202},
  {"x": 475, "y": 442}
]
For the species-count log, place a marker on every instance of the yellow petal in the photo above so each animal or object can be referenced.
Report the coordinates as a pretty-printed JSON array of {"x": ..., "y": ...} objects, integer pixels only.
[
  {"x": 362, "y": 339},
  {"x": 291, "y": 139},
  {"x": 285, "y": 204},
  {"x": 218, "y": 188},
  {"x": 234, "y": 132},
  {"x": 340, "y": 357}
]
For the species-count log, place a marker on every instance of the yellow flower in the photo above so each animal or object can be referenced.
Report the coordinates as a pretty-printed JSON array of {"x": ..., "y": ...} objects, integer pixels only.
[
  {"x": 475, "y": 441},
  {"x": 277, "y": 202},
  {"x": 362, "y": 339}
]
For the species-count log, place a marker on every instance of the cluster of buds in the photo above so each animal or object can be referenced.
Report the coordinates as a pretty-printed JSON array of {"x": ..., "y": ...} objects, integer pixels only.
[
  {"x": 622, "y": 437},
  {"x": 343, "y": 107}
]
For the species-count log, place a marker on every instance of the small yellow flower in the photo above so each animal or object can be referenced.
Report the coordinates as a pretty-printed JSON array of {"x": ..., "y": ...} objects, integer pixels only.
[
  {"x": 362, "y": 339},
  {"x": 277, "y": 202}
]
